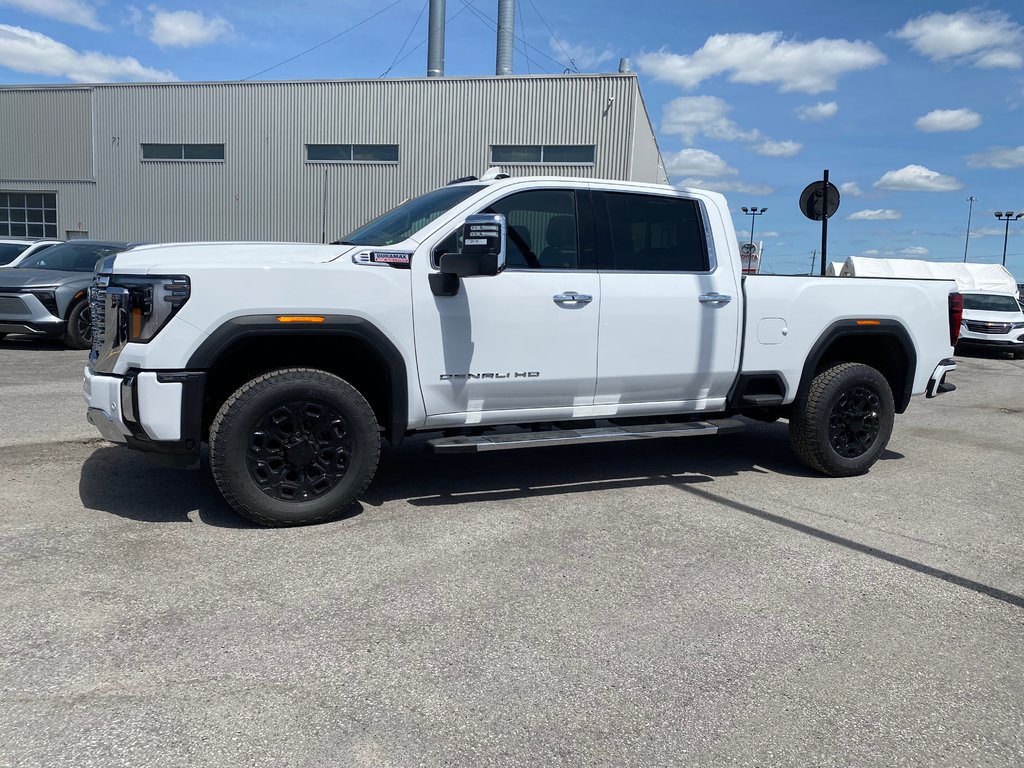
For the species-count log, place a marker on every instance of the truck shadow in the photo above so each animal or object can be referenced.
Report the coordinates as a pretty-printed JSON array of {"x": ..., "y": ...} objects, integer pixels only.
[{"x": 124, "y": 483}]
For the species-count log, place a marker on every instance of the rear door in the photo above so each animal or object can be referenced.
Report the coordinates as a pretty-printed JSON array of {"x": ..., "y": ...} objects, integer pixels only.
[{"x": 670, "y": 313}]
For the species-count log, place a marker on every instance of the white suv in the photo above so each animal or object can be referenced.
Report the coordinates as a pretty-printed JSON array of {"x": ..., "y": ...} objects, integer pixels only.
[
  {"x": 14, "y": 251},
  {"x": 993, "y": 321}
]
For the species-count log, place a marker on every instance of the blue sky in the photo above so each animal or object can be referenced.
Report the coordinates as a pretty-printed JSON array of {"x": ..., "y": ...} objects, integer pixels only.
[{"x": 912, "y": 106}]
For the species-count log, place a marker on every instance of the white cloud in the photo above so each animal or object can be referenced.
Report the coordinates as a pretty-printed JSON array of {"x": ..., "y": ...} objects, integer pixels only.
[
  {"x": 872, "y": 252},
  {"x": 850, "y": 188},
  {"x": 1002, "y": 158},
  {"x": 69, "y": 11},
  {"x": 691, "y": 116},
  {"x": 697, "y": 162},
  {"x": 583, "y": 56},
  {"x": 758, "y": 59},
  {"x": 721, "y": 185},
  {"x": 915, "y": 250},
  {"x": 743, "y": 235},
  {"x": 983, "y": 38},
  {"x": 771, "y": 148},
  {"x": 948, "y": 120},
  {"x": 986, "y": 232},
  {"x": 820, "y": 111},
  {"x": 186, "y": 29},
  {"x": 917, "y": 178},
  {"x": 877, "y": 214},
  {"x": 26, "y": 51}
]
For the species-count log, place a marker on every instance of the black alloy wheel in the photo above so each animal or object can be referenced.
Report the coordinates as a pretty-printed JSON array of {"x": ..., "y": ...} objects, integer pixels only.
[
  {"x": 299, "y": 450},
  {"x": 854, "y": 423},
  {"x": 78, "y": 334}
]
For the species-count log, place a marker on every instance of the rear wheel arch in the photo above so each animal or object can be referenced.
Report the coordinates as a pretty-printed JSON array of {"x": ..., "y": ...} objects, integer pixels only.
[{"x": 886, "y": 347}]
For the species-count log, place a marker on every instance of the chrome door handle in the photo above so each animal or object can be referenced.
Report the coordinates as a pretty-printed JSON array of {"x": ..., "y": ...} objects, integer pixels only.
[
  {"x": 714, "y": 298},
  {"x": 571, "y": 296}
]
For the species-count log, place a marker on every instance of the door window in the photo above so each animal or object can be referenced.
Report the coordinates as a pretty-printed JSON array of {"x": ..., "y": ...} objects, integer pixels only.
[{"x": 656, "y": 233}]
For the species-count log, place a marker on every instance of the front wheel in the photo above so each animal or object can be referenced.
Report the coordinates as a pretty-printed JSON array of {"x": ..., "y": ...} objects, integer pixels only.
[
  {"x": 79, "y": 331},
  {"x": 847, "y": 421},
  {"x": 293, "y": 447}
]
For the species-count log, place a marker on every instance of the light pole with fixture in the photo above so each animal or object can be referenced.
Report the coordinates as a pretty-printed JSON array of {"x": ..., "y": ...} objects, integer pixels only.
[
  {"x": 752, "y": 211},
  {"x": 1007, "y": 217},
  {"x": 972, "y": 200}
]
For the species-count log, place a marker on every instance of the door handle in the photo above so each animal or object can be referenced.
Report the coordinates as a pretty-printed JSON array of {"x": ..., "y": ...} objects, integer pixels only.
[
  {"x": 570, "y": 297},
  {"x": 714, "y": 298}
]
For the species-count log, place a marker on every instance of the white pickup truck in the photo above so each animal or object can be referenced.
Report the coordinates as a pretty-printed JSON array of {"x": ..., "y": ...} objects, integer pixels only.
[{"x": 497, "y": 313}]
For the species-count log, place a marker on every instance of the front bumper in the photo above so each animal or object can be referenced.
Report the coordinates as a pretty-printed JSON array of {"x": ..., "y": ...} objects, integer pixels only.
[
  {"x": 937, "y": 384},
  {"x": 24, "y": 313},
  {"x": 158, "y": 412}
]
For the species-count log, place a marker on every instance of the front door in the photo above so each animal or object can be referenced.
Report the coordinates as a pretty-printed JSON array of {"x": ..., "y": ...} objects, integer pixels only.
[{"x": 521, "y": 344}]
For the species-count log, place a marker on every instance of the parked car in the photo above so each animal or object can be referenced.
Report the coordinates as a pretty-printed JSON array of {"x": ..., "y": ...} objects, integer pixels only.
[
  {"x": 46, "y": 294},
  {"x": 993, "y": 321},
  {"x": 496, "y": 313},
  {"x": 15, "y": 250}
]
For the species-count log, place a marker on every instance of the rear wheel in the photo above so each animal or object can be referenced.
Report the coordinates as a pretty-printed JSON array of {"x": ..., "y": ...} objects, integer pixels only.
[
  {"x": 847, "y": 421},
  {"x": 79, "y": 331},
  {"x": 293, "y": 447}
]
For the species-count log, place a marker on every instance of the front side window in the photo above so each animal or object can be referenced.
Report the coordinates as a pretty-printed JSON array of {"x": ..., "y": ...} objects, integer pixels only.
[
  {"x": 182, "y": 152},
  {"x": 29, "y": 214},
  {"x": 10, "y": 251},
  {"x": 655, "y": 233},
  {"x": 542, "y": 154}
]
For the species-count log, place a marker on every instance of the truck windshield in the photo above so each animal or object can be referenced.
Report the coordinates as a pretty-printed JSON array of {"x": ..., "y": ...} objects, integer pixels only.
[
  {"x": 990, "y": 302},
  {"x": 399, "y": 223}
]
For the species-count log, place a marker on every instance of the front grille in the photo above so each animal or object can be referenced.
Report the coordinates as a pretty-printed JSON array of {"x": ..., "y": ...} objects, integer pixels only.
[
  {"x": 97, "y": 313},
  {"x": 980, "y": 326},
  {"x": 13, "y": 306}
]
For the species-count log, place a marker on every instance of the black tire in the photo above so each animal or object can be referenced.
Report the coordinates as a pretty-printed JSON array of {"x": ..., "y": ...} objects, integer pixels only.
[
  {"x": 79, "y": 331},
  {"x": 293, "y": 447},
  {"x": 1017, "y": 354},
  {"x": 847, "y": 421},
  {"x": 2, "y": 336}
]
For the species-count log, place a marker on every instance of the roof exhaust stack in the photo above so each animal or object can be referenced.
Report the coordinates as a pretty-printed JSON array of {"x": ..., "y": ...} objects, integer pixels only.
[
  {"x": 506, "y": 37},
  {"x": 435, "y": 39}
]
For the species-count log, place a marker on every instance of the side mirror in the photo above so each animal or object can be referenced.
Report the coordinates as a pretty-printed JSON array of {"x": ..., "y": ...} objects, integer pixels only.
[{"x": 484, "y": 238}]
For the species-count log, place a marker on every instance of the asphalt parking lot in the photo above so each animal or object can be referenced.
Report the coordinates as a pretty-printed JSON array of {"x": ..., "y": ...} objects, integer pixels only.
[{"x": 689, "y": 602}]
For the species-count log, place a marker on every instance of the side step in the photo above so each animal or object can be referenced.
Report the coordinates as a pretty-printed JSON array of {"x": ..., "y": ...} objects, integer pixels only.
[{"x": 610, "y": 434}]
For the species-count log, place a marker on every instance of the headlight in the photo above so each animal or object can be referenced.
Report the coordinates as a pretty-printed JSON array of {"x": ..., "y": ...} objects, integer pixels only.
[
  {"x": 1017, "y": 326},
  {"x": 152, "y": 302},
  {"x": 48, "y": 299}
]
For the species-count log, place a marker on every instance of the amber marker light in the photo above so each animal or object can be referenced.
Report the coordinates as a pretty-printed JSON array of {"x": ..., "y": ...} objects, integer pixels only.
[
  {"x": 300, "y": 318},
  {"x": 869, "y": 322}
]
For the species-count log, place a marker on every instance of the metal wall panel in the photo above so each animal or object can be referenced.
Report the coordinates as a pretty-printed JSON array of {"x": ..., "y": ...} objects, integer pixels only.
[
  {"x": 264, "y": 190},
  {"x": 45, "y": 134}
]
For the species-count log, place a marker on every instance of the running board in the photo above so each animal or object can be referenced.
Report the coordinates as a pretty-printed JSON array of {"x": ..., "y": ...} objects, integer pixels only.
[{"x": 610, "y": 434}]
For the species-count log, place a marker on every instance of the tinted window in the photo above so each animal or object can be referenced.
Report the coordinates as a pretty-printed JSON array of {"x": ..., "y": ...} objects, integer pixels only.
[
  {"x": 990, "y": 302},
  {"x": 541, "y": 229},
  {"x": 8, "y": 251},
  {"x": 182, "y": 151},
  {"x": 28, "y": 215},
  {"x": 352, "y": 153},
  {"x": 535, "y": 154},
  {"x": 655, "y": 233},
  {"x": 69, "y": 257}
]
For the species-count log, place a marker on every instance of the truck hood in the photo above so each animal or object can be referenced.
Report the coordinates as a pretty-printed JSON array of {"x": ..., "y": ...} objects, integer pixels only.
[
  {"x": 179, "y": 256},
  {"x": 18, "y": 279}
]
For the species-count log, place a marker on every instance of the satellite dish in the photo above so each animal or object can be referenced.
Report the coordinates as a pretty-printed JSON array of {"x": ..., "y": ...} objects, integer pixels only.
[{"x": 813, "y": 206}]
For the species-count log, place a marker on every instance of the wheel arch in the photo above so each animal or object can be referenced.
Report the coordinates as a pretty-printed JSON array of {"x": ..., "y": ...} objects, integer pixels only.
[
  {"x": 885, "y": 346},
  {"x": 347, "y": 346}
]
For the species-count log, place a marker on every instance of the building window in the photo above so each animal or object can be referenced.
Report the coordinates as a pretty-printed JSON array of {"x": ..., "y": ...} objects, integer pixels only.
[
  {"x": 207, "y": 152},
  {"x": 351, "y": 153},
  {"x": 28, "y": 214},
  {"x": 542, "y": 154}
]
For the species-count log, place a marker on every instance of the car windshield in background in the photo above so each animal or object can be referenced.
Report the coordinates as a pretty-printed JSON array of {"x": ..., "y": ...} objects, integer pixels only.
[
  {"x": 69, "y": 257},
  {"x": 399, "y": 223},
  {"x": 990, "y": 302},
  {"x": 10, "y": 251}
]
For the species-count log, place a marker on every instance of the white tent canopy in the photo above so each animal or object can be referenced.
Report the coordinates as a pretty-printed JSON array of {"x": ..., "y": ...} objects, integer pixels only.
[
  {"x": 835, "y": 268},
  {"x": 982, "y": 278}
]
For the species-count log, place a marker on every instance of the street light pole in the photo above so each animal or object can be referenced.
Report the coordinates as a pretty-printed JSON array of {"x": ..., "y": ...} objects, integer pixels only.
[
  {"x": 753, "y": 211},
  {"x": 972, "y": 200},
  {"x": 1007, "y": 217}
]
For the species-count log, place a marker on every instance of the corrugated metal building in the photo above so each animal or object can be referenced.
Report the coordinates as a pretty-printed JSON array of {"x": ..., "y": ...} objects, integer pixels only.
[{"x": 303, "y": 161}]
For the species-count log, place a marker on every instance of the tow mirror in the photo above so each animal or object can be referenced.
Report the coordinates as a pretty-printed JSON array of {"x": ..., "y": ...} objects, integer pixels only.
[{"x": 484, "y": 237}]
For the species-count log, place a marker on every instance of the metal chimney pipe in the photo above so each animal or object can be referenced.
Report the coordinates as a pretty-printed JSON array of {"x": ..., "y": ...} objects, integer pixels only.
[
  {"x": 435, "y": 39},
  {"x": 506, "y": 37}
]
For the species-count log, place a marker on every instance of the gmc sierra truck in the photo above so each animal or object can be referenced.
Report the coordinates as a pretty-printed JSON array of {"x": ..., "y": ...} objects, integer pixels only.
[{"x": 497, "y": 313}]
